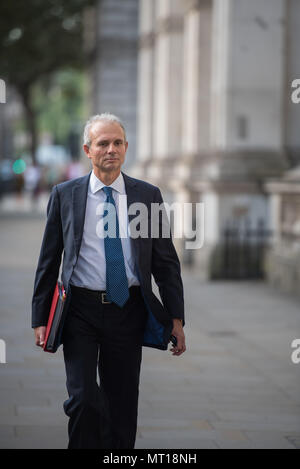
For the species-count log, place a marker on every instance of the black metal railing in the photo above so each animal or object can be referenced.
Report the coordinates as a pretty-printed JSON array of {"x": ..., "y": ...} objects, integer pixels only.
[{"x": 241, "y": 252}]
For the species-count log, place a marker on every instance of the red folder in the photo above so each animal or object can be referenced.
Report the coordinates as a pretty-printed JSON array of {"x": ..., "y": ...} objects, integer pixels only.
[{"x": 53, "y": 329}]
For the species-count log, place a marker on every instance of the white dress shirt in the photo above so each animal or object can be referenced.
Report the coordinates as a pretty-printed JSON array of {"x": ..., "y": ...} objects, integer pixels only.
[{"x": 90, "y": 269}]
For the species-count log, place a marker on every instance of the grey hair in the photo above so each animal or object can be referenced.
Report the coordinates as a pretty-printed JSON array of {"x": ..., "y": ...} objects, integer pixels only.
[{"x": 104, "y": 117}]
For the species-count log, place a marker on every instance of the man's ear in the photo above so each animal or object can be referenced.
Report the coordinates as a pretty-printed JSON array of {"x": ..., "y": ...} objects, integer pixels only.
[{"x": 86, "y": 150}]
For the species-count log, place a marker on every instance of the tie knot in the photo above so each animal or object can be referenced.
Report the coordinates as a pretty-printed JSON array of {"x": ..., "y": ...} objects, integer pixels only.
[{"x": 108, "y": 191}]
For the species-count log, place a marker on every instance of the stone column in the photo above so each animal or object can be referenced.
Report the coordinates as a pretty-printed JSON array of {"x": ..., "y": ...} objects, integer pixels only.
[
  {"x": 145, "y": 81},
  {"x": 167, "y": 113},
  {"x": 196, "y": 77}
]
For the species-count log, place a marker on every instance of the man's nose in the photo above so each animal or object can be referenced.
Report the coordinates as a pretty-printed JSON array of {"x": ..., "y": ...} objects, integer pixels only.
[{"x": 111, "y": 148}]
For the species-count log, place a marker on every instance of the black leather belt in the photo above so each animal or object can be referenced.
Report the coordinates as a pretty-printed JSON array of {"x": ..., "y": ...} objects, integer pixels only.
[{"x": 101, "y": 295}]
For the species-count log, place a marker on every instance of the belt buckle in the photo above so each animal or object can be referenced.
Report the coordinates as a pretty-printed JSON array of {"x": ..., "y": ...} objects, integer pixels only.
[{"x": 104, "y": 300}]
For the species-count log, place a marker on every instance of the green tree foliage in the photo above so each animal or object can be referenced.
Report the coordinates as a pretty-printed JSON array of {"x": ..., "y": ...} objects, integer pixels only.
[
  {"x": 38, "y": 38},
  {"x": 59, "y": 105}
]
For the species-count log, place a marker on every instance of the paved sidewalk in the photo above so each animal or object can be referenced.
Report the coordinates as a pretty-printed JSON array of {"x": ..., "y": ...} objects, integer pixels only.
[{"x": 235, "y": 387}]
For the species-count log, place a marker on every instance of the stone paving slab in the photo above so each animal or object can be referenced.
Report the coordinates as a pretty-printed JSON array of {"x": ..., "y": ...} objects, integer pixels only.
[
  {"x": 169, "y": 443},
  {"x": 235, "y": 387}
]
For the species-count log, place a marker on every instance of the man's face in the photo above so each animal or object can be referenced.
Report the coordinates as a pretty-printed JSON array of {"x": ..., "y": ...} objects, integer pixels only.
[{"x": 108, "y": 147}]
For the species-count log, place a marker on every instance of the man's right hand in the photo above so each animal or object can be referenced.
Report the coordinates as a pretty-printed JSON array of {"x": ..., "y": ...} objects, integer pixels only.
[{"x": 40, "y": 333}]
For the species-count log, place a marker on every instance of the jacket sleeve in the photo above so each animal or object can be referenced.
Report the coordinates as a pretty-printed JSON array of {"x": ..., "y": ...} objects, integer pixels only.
[
  {"x": 165, "y": 267},
  {"x": 48, "y": 263}
]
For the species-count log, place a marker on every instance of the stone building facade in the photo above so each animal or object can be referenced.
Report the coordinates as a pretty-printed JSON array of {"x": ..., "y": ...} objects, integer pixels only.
[
  {"x": 283, "y": 257},
  {"x": 114, "y": 30},
  {"x": 214, "y": 115}
]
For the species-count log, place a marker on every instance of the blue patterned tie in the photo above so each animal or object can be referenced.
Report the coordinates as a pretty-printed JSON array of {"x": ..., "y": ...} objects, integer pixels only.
[{"x": 116, "y": 280}]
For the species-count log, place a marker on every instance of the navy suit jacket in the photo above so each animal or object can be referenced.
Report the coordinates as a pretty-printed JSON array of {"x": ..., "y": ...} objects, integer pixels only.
[{"x": 157, "y": 256}]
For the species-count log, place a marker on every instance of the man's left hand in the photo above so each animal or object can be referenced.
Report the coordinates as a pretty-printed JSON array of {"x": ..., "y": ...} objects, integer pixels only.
[{"x": 177, "y": 331}]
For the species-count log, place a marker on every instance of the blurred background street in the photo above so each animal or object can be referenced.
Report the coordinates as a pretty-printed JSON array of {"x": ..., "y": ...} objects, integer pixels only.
[{"x": 207, "y": 91}]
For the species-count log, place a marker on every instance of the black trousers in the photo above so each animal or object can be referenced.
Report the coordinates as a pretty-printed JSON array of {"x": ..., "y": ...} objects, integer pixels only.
[{"x": 108, "y": 338}]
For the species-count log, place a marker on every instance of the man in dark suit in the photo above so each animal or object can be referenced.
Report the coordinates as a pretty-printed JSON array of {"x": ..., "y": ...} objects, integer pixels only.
[{"x": 111, "y": 311}]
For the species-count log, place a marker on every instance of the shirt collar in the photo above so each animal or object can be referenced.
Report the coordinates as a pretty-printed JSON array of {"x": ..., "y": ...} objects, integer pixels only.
[{"x": 96, "y": 185}]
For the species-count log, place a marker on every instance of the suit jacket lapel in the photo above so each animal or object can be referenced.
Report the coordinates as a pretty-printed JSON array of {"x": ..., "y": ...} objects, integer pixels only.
[
  {"x": 133, "y": 196},
  {"x": 79, "y": 198},
  {"x": 131, "y": 192}
]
